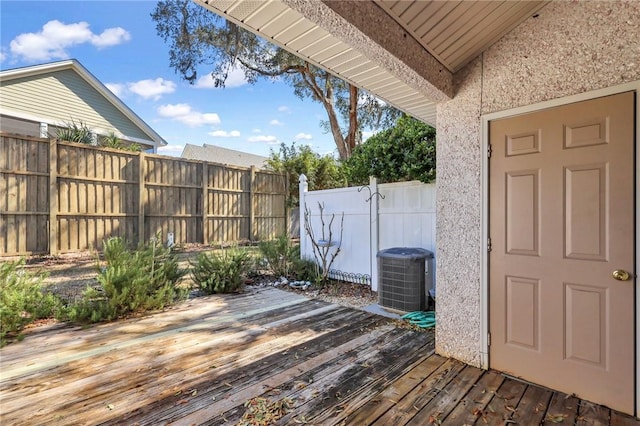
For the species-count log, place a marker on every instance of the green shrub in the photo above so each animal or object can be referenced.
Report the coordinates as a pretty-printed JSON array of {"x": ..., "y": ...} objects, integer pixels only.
[
  {"x": 279, "y": 255},
  {"x": 221, "y": 272},
  {"x": 22, "y": 299},
  {"x": 114, "y": 142},
  {"x": 75, "y": 132},
  {"x": 305, "y": 270},
  {"x": 133, "y": 281}
]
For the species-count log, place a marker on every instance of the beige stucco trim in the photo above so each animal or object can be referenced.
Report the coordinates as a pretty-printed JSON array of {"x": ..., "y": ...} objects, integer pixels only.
[{"x": 485, "y": 119}]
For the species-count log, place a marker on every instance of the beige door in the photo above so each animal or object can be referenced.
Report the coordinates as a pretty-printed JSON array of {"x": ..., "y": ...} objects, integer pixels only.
[{"x": 561, "y": 222}]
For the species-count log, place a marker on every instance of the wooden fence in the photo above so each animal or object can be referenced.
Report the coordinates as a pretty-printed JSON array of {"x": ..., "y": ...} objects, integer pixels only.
[{"x": 58, "y": 197}]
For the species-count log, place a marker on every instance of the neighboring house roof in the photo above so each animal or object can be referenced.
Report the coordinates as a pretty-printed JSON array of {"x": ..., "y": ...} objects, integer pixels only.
[
  {"x": 60, "y": 92},
  {"x": 217, "y": 154}
]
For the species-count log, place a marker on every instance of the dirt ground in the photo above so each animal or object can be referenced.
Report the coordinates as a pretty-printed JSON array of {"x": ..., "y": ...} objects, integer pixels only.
[{"x": 68, "y": 275}]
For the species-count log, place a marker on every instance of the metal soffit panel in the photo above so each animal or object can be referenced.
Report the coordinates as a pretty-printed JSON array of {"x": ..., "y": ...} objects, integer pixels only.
[
  {"x": 455, "y": 32},
  {"x": 287, "y": 28}
]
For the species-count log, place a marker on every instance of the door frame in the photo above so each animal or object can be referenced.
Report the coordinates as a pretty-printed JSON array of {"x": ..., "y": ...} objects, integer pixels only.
[{"x": 484, "y": 169}]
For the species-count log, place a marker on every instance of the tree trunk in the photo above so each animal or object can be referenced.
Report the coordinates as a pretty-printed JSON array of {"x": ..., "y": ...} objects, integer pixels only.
[
  {"x": 343, "y": 149},
  {"x": 353, "y": 119}
]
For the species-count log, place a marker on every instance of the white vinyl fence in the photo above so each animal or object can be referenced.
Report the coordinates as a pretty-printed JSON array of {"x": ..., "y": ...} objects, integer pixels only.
[{"x": 376, "y": 217}]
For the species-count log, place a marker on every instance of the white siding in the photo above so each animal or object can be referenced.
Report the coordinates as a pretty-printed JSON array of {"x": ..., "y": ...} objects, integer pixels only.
[{"x": 63, "y": 96}]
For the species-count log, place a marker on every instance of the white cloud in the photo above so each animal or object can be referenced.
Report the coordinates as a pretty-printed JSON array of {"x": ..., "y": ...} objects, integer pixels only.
[
  {"x": 224, "y": 134},
  {"x": 152, "y": 88},
  {"x": 284, "y": 108},
  {"x": 264, "y": 138},
  {"x": 256, "y": 131},
  {"x": 185, "y": 114},
  {"x": 110, "y": 37},
  {"x": 56, "y": 37},
  {"x": 174, "y": 110},
  {"x": 366, "y": 134},
  {"x": 3, "y": 56},
  {"x": 171, "y": 149},
  {"x": 236, "y": 78},
  {"x": 275, "y": 122},
  {"x": 301, "y": 136},
  {"x": 117, "y": 88}
]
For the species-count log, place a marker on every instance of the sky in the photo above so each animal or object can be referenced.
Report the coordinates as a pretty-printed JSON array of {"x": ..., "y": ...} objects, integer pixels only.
[{"x": 117, "y": 42}]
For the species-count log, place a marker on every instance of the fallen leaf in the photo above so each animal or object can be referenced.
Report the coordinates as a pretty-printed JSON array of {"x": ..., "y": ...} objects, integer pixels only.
[
  {"x": 299, "y": 385},
  {"x": 555, "y": 418},
  {"x": 434, "y": 420},
  {"x": 505, "y": 397},
  {"x": 194, "y": 392},
  {"x": 110, "y": 406}
]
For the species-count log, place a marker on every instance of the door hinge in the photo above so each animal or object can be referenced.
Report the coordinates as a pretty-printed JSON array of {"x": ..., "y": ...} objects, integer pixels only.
[
  {"x": 488, "y": 244},
  {"x": 488, "y": 339},
  {"x": 489, "y": 151}
]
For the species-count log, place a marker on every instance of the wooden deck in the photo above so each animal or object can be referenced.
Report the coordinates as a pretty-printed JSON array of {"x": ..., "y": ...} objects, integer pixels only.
[{"x": 199, "y": 363}]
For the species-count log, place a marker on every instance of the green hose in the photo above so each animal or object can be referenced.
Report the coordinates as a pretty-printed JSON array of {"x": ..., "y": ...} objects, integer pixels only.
[{"x": 421, "y": 319}]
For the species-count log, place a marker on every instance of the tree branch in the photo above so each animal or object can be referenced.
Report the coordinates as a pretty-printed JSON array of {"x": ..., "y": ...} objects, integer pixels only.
[{"x": 289, "y": 69}]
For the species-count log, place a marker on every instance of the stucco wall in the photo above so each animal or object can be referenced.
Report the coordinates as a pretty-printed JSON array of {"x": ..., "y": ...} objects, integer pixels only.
[{"x": 569, "y": 48}]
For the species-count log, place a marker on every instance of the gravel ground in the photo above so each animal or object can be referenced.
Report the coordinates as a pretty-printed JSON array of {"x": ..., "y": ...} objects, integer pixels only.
[{"x": 70, "y": 274}]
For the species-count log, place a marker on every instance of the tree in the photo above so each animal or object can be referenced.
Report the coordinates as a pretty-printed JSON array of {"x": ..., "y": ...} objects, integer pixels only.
[
  {"x": 404, "y": 152},
  {"x": 199, "y": 38},
  {"x": 322, "y": 172}
]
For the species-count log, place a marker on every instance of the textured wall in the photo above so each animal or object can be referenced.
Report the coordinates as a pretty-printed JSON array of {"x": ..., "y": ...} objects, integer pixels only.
[
  {"x": 570, "y": 48},
  {"x": 458, "y": 225}
]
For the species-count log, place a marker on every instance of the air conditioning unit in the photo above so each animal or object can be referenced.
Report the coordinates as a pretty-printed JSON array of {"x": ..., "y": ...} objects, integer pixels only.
[{"x": 402, "y": 278}]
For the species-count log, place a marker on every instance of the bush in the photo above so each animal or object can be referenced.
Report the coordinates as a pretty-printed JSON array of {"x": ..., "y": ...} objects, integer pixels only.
[
  {"x": 132, "y": 282},
  {"x": 112, "y": 141},
  {"x": 305, "y": 270},
  {"x": 401, "y": 153},
  {"x": 322, "y": 172},
  {"x": 279, "y": 255},
  {"x": 22, "y": 299},
  {"x": 75, "y": 132},
  {"x": 221, "y": 272}
]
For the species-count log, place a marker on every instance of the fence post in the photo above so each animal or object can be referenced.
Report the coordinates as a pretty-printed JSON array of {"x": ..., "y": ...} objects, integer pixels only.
[
  {"x": 287, "y": 218},
  {"x": 205, "y": 202},
  {"x": 53, "y": 197},
  {"x": 142, "y": 196},
  {"x": 252, "y": 210},
  {"x": 303, "y": 188},
  {"x": 374, "y": 244}
]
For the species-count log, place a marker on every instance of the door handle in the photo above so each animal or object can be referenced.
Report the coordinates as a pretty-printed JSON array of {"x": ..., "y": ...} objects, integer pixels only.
[{"x": 621, "y": 275}]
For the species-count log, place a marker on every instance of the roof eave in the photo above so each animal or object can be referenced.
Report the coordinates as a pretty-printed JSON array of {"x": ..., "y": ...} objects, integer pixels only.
[{"x": 73, "y": 64}]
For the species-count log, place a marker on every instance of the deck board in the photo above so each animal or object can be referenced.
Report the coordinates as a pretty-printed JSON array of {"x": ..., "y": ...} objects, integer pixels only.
[
  {"x": 200, "y": 361},
  {"x": 445, "y": 401},
  {"x": 473, "y": 406}
]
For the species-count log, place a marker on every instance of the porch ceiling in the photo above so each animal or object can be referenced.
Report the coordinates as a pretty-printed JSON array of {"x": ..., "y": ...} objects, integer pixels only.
[
  {"x": 366, "y": 43},
  {"x": 455, "y": 32}
]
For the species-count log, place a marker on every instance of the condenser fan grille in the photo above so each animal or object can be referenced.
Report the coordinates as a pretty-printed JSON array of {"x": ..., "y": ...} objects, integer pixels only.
[{"x": 401, "y": 274}]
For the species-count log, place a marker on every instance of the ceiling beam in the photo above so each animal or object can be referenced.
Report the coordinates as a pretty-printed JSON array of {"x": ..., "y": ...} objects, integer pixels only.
[{"x": 370, "y": 30}]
